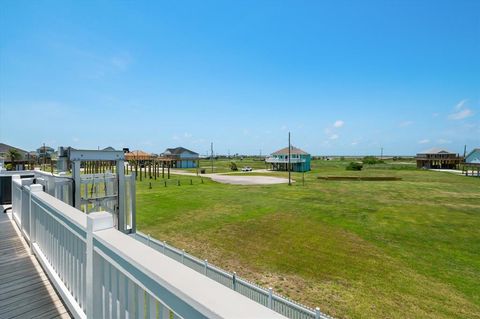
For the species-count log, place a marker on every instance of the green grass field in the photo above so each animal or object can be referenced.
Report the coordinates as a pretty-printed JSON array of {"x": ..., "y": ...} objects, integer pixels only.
[{"x": 356, "y": 249}]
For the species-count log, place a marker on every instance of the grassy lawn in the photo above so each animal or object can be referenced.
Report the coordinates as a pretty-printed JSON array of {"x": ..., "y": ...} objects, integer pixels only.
[{"x": 356, "y": 249}]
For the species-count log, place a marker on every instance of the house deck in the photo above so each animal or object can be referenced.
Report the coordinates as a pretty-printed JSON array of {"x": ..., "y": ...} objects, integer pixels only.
[{"x": 25, "y": 291}]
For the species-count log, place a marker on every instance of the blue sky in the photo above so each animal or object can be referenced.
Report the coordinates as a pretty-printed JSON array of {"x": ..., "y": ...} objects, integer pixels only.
[{"x": 345, "y": 77}]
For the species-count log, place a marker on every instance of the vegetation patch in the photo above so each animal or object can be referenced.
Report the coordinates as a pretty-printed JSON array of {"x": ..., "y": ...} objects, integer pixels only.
[{"x": 354, "y": 166}]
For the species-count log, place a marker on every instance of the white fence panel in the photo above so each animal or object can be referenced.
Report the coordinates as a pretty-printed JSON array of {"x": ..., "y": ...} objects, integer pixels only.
[
  {"x": 100, "y": 272},
  {"x": 62, "y": 242}
]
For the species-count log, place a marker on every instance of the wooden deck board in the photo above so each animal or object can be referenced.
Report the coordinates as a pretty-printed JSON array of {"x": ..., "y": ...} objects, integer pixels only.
[{"x": 25, "y": 291}]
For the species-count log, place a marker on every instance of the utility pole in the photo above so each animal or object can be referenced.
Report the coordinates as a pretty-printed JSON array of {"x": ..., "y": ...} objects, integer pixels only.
[
  {"x": 289, "y": 155},
  {"x": 44, "y": 158},
  {"x": 211, "y": 154},
  {"x": 381, "y": 153}
]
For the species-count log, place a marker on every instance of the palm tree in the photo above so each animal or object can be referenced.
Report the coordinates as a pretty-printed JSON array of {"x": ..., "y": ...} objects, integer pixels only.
[{"x": 14, "y": 155}]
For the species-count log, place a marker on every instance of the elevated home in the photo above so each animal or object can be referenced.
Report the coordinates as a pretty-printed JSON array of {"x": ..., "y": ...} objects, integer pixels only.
[
  {"x": 5, "y": 157},
  {"x": 471, "y": 164},
  {"x": 181, "y": 157},
  {"x": 473, "y": 157},
  {"x": 5, "y": 148},
  {"x": 438, "y": 158},
  {"x": 299, "y": 160},
  {"x": 45, "y": 153}
]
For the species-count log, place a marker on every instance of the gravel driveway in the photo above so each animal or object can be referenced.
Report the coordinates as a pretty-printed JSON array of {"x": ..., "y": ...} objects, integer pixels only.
[{"x": 238, "y": 179}]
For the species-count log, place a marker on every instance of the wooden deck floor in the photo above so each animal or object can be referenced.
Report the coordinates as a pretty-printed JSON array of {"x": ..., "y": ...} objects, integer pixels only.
[{"x": 25, "y": 291}]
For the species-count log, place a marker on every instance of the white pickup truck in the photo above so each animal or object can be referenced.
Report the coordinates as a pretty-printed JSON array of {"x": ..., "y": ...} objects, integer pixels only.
[{"x": 247, "y": 169}]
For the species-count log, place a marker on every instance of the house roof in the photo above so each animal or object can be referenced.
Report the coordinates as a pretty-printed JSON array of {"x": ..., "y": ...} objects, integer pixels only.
[
  {"x": 436, "y": 150},
  {"x": 473, "y": 151},
  {"x": 138, "y": 155},
  {"x": 5, "y": 147},
  {"x": 293, "y": 150},
  {"x": 109, "y": 148},
  {"x": 179, "y": 150}
]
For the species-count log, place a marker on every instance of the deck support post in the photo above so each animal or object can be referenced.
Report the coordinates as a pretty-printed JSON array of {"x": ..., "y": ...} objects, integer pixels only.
[
  {"x": 31, "y": 232},
  {"x": 95, "y": 222}
]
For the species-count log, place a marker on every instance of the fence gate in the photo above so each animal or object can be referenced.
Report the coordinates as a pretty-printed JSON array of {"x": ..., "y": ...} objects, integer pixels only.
[{"x": 106, "y": 189}]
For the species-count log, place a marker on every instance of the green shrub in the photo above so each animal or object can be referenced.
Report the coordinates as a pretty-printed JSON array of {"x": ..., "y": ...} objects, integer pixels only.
[
  {"x": 371, "y": 160},
  {"x": 233, "y": 166},
  {"x": 354, "y": 166}
]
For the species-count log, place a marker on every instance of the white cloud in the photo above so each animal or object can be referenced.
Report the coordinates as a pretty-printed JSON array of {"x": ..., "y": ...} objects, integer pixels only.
[
  {"x": 354, "y": 143},
  {"x": 461, "y": 104},
  {"x": 333, "y": 136},
  {"x": 460, "y": 115},
  {"x": 405, "y": 123},
  {"x": 187, "y": 135},
  {"x": 424, "y": 141},
  {"x": 331, "y": 131},
  {"x": 461, "y": 111}
]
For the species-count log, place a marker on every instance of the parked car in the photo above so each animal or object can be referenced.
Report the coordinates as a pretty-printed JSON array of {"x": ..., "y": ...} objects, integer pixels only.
[{"x": 247, "y": 169}]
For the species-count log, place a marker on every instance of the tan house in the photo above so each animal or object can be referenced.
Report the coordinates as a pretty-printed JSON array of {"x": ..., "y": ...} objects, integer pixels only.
[{"x": 438, "y": 158}]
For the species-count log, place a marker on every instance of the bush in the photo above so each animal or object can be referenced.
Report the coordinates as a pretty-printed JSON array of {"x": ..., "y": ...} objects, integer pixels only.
[
  {"x": 354, "y": 166},
  {"x": 233, "y": 166},
  {"x": 371, "y": 160},
  {"x": 9, "y": 167}
]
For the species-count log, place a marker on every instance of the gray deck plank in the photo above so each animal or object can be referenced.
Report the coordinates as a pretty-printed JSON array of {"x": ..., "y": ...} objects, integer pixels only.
[
  {"x": 25, "y": 291},
  {"x": 39, "y": 289}
]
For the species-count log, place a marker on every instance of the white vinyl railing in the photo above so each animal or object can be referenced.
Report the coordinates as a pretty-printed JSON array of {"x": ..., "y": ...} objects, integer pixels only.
[
  {"x": 263, "y": 296},
  {"x": 293, "y": 160},
  {"x": 100, "y": 272}
]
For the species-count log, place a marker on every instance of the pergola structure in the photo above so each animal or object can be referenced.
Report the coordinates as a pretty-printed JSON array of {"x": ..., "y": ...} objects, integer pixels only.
[{"x": 148, "y": 165}]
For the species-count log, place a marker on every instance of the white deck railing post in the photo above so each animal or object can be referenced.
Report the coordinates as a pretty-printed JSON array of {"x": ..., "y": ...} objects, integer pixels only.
[
  {"x": 317, "y": 313},
  {"x": 32, "y": 231},
  {"x": 16, "y": 203},
  {"x": 95, "y": 222},
  {"x": 270, "y": 294}
]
